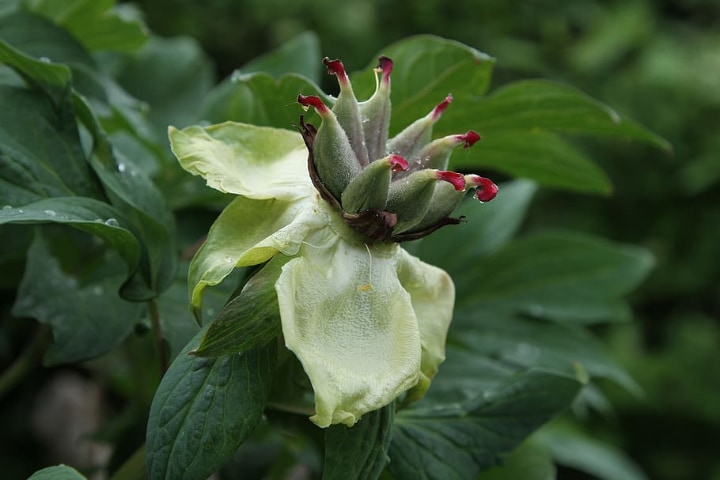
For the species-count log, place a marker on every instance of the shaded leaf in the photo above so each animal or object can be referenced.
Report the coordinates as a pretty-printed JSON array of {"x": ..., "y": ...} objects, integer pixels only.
[
  {"x": 529, "y": 462},
  {"x": 562, "y": 276},
  {"x": 204, "y": 409},
  {"x": 249, "y": 320},
  {"x": 85, "y": 214},
  {"x": 457, "y": 441},
  {"x": 53, "y": 78},
  {"x": 485, "y": 229},
  {"x": 86, "y": 321},
  {"x": 359, "y": 452}
]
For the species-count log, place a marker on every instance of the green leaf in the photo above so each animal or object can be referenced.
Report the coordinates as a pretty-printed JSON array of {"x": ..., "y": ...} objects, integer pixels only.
[
  {"x": 259, "y": 99},
  {"x": 40, "y": 151},
  {"x": 57, "y": 472},
  {"x": 85, "y": 214},
  {"x": 301, "y": 56},
  {"x": 425, "y": 70},
  {"x": 537, "y": 155},
  {"x": 485, "y": 229},
  {"x": 562, "y": 276},
  {"x": 53, "y": 78},
  {"x": 359, "y": 452},
  {"x": 86, "y": 321},
  {"x": 172, "y": 76},
  {"x": 204, "y": 409},
  {"x": 529, "y": 462},
  {"x": 249, "y": 320},
  {"x": 543, "y": 105},
  {"x": 135, "y": 195},
  {"x": 97, "y": 24},
  {"x": 499, "y": 345},
  {"x": 457, "y": 441},
  {"x": 579, "y": 451}
]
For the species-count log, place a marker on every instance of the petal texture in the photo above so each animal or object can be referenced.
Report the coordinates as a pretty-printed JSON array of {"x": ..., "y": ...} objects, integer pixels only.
[
  {"x": 250, "y": 232},
  {"x": 351, "y": 324},
  {"x": 432, "y": 294},
  {"x": 256, "y": 162}
]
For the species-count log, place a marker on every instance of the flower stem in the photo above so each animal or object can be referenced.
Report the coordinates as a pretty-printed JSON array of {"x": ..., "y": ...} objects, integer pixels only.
[{"x": 157, "y": 333}]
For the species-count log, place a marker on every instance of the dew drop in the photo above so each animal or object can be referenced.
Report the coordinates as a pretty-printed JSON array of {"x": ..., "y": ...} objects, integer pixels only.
[
  {"x": 7, "y": 207},
  {"x": 20, "y": 210},
  {"x": 98, "y": 290},
  {"x": 44, "y": 59},
  {"x": 111, "y": 222},
  {"x": 121, "y": 167},
  {"x": 50, "y": 213},
  {"x": 210, "y": 312},
  {"x": 229, "y": 259}
]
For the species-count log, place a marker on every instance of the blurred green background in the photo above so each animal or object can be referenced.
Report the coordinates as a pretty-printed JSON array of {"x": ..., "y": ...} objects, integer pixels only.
[{"x": 656, "y": 62}]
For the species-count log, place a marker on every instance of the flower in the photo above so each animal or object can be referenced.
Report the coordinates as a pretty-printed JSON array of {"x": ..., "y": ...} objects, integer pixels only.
[{"x": 367, "y": 320}]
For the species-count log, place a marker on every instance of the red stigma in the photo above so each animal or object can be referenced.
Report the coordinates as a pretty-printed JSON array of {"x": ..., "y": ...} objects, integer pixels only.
[
  {"x": 457, "y": 180},
  {"x": 336, "y": 67},
  {"x": 385, "y": 65},
  {"x": 487, "y": 191},
  {"x": 469, "y": 139},
  {"x": 441, "y": 107},
  {"x": 397, "y": 163},
  {"x": 313, "y": 101}
]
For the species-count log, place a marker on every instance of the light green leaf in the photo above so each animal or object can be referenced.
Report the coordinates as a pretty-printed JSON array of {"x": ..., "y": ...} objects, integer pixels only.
[
  {"x": 300, "y": 56},
  {"x": 57, "y": 472},
  {"x": 543, "y": 105},
  {"x": 249, "y": 320},
  {"x": 86, "y": 321},
  {"x": 529, "y": 462},
  {"x": 425, "y": 70},
  {"x": 458, "y": 441},
  {"x": 360, "y": 452},
  {"x": 537, "y": 155},
  {"x": 204, "y": 409},
  {"x": 564, "y": 276},
  {"x": 259, "y": 99},
  {"x": 485, "y": 229},
  {"x": 97, "y": 24}
]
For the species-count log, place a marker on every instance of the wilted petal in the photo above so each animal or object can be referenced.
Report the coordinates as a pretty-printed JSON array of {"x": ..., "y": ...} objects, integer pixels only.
[
  {"x": 432, "y": 293},
  {"x": 250, "y": 232},
  {"x": 351, "y": 324},
  {"x": 256, "y": 162}
]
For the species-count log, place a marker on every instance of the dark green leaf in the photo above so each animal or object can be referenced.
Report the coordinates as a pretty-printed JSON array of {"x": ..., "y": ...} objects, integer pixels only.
[
  {"x": 40, "y": 151},
  {"x": 537, "y": 155},
  {"x": 52, "y": 78},
  {"x": 457, "y": 441},
  {"x": 301, "y": 56},
  {"x": 425, "y": 70},
  {"x": 249, "y": 320},
  {"x": 259, "y": 99},
  {"x": 204, "y": 409},
  {"x": 529, "y": 462},
  {"x": 86, "y": 321},
  {"x": 563, "y": 276},
  {"x": 95, "y": 23},
  {"x": 58, "y": 472},
  {"x": 498, "y": 345},
  {"x": 359, "y": 452},
  {"x": 539, "y": 104},
  {"x": 85, "y": 214},
  {"x": 172, "y": 76},
  {"x": 579, "y": 451},
  {"x": 485, "y": 229}
]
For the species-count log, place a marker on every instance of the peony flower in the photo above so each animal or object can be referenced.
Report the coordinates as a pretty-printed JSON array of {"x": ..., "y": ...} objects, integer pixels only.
[{"x": 367, "y": 320}]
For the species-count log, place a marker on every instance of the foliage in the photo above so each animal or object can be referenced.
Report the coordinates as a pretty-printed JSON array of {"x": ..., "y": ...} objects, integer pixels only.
[{"x": 99, "y": 223}]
